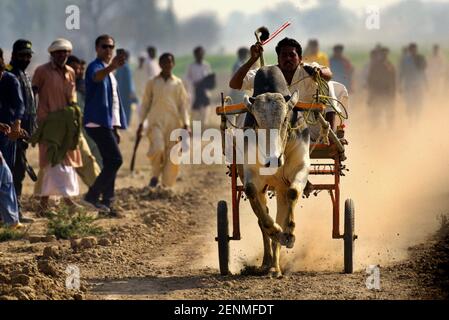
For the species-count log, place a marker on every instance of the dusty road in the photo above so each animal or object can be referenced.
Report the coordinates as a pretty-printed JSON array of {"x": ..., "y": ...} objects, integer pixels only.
[{"x": 178, "y": 269}]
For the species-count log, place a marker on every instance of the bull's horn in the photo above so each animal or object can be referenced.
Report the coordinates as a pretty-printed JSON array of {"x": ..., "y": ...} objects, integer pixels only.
[{"x": 248, "y": 103}]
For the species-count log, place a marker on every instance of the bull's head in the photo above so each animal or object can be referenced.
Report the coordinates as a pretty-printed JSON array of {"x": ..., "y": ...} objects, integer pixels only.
[{"x": 272, "y": 113}]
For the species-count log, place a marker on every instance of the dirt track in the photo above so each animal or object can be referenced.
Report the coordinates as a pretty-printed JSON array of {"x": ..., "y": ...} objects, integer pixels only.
[
  {"x": 158, "y": 251},
  {"x": 177, "y": 269}
]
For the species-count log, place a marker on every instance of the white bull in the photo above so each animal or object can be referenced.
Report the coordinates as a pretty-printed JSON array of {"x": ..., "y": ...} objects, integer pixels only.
[{"x": 290, "y": 156}]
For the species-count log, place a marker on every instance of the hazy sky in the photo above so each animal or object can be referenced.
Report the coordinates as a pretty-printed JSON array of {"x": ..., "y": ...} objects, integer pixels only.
[{"x": 187, "y": 8}]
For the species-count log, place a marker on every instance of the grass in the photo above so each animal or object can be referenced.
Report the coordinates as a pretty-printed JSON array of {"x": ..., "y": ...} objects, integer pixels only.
[
  {"x": 224, "y": 63},
  {"x": 219, "y": 63},
  {"x": 11, "y": 235},
  {"x": 65, "y": 226}
]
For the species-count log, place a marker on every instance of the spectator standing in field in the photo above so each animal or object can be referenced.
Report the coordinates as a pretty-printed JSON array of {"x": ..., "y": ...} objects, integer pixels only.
[
  {"x": 11, "y": 113},
  {"x": 413, "y": 81},
  {"x": 165, "y": 106},
  {"x": 140, "y": 76},
  {"x": 21, "y": 57},
  {"x": 104, "y": 115},
  {"x": 90, "y": 169},
  {"x": 127, "y": 90},
  {"x": 200, "y": 79},
  {"x": 382, "y": 87},
  {"x": 342, "y": 68},
  {"x": 152, "y": 64},
  {"x": 54, "y": 83},
  {"x": 314, "y": 54},
  {"x": 9, "y": 210},
  {"x": 242, "y": 56},
  {"x": 436, "y": 71}
]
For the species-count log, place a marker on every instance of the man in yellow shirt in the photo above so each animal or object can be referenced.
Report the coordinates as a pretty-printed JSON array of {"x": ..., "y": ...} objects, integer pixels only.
[
  {"x": 313, "y": 54},
  {"x": 165, "y": 104}
]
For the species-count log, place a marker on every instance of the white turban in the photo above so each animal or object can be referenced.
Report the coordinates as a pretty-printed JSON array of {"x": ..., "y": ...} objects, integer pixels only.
[{"x": 60, "y": 45}]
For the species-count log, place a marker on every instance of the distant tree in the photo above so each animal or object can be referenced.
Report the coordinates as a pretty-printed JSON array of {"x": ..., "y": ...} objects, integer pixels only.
[
  {"x": 202, "y": 30},
  {"x": 31, "y": 19},
  {"x": 415, "y": 21},
  {"x": 328, "y": 20},
  {"x": 143, "y": 23}
]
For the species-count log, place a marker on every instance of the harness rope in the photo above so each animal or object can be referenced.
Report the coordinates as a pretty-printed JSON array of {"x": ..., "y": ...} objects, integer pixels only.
[{"x": 322, "y": 96}]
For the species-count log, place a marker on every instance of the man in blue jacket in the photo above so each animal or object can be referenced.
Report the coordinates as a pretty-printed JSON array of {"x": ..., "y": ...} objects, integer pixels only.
[
  {"x": 22, "y": 53},
  {"x": 9, "y": 211},
  {"x": 103, "y": 116},
  {"x": 12, "y": 109}
]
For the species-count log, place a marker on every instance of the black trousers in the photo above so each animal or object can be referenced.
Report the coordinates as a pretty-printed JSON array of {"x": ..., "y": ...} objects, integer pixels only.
[
  {"x": 112, "y": 161},
  {"x": 19, "y": 169}
]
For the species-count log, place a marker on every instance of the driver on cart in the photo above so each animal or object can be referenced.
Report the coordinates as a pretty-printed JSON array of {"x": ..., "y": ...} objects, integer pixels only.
[{"x": 299, "y": 76}]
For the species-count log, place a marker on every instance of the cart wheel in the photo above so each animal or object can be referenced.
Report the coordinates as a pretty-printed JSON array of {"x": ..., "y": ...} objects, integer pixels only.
[
  {"x": 223, "y": 237},
  {"x": 349, "y": 236}
]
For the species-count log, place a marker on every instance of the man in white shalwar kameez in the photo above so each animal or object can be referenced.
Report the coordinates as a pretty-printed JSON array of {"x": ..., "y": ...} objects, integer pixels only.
[
  {"x": 165, "y": 106},
  {"x": 436, "y": 70},
  {"x": 196, "y": 73},
  {"x": 54, "y": 84}
]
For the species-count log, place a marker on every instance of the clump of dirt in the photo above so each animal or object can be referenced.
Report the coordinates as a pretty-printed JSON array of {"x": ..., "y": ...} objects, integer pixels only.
[
  {"x": 137, "y": 199},
  {"x": 29, "y": 204},
  {"x": 153, "y": 219},
  {"x": 251, "y": 271},
  {"x": 36, "y": 279},
  {"x": 434, "y": 262}
]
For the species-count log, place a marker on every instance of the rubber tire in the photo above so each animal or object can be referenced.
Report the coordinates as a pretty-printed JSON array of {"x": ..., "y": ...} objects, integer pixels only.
[
  {"x": 223, "y": 237},
  {"x": 349, "y": 236}
]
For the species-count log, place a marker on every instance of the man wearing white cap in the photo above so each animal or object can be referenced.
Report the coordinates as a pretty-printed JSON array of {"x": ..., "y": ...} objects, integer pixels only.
[{"x": 54, "y": 83}]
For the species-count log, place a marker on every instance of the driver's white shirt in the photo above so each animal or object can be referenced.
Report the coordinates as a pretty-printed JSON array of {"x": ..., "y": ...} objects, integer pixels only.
[{"x": 303, "y": 83}]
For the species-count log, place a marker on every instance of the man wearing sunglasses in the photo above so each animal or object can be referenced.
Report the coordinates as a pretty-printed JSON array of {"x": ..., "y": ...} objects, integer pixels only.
[{"x": 103, "y": 116}]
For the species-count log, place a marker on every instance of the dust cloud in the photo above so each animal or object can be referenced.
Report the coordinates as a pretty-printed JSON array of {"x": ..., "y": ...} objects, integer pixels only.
[{"x": 398, "y": 178}]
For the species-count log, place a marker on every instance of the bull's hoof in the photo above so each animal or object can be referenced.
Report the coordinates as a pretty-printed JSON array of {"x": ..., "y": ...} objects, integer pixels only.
[
  {"x": 275, "y": 274},
  {"x": 263, "y": 270},
  {"x": 287, "y": 240}
]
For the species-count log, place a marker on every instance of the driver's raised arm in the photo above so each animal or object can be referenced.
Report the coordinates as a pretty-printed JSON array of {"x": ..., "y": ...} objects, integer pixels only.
[{"x": 236, "y": 82}]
